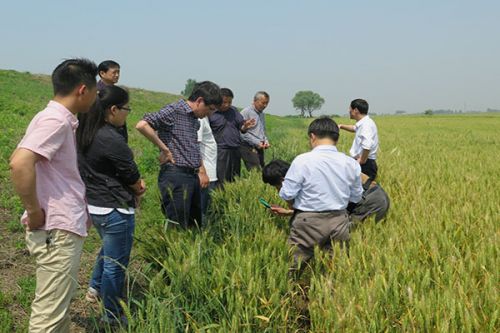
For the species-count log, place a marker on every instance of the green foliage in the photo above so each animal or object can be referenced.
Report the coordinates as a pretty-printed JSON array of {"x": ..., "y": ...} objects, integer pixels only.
[
  {"x": 6, "y": 321},
  {"x": 188, "y": 88},
  {"x": 428, "y": 112},
  {"x": 429, "y": 267},
  {"x": 307, "y": 101},
  {"x": 27, "y": 289}
]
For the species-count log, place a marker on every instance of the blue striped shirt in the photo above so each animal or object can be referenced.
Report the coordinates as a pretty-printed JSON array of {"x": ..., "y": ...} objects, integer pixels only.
[{"x": 177, "y": 128}]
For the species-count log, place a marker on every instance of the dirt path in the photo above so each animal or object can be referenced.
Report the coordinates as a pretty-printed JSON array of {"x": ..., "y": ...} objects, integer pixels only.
[{"x": 17, "y": 279}]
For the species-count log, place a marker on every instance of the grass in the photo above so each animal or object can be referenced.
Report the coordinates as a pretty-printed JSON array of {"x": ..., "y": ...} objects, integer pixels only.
[
  {"x": 429, "y": 267},
  {"x": 6, "y": 320}
]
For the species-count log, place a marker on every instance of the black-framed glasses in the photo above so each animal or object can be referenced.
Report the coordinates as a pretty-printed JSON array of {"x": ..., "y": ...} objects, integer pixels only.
[{"x": 126, "y": 109}]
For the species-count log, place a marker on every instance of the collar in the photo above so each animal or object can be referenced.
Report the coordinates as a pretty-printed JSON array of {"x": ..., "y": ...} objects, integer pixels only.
[
  {"x": 254, "y": 109},
  {"x": 64, "y": 112},
  {"x": 325, "y": 148},
  {"x": 362, "y": 120},
  {"x": 185, "y": 106}
]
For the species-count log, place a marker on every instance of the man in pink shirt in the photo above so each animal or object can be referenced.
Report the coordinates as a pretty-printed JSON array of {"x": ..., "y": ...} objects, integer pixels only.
[{"x": 45, "y": 175}]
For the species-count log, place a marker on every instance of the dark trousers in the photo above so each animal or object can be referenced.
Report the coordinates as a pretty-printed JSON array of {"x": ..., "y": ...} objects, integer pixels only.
[
  {"x": 252, "y": 157},
  {"x": 375, "y": 201},
  {"x": 181, "y": 196},
  {"x": 370, "y": 168},
  {"x": 206, "y": 200},
  {"x": 228, "y": 164}
]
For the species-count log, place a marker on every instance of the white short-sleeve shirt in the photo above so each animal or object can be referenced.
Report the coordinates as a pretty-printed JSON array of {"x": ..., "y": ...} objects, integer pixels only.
[
  {"x": 366, "y": 138},
  {"x": 208, "y": 148}
]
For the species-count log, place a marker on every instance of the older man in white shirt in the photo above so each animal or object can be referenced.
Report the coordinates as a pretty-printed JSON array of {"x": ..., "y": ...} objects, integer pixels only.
[
  {"x": 365, "y": 145},
  {"x": 319, "y": 185}
]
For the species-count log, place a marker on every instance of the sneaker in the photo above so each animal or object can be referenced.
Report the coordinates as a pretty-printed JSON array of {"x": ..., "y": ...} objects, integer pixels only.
[{"x": 92, "y": 295}]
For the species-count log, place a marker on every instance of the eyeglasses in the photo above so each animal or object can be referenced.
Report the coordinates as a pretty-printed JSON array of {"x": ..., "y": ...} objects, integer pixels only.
[{"x": 126, "y": 109}]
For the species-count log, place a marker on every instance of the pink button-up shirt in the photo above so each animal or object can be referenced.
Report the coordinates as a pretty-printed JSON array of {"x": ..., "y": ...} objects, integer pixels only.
[{"x": 59, "y": 187}]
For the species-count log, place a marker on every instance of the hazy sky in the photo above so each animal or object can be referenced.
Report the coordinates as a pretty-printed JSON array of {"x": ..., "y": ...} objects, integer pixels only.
[{"x": 399, "y": 55}]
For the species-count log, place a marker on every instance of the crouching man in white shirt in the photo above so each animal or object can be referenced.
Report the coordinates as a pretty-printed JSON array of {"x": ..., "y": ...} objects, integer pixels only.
[{"x": 319, "y": 185}]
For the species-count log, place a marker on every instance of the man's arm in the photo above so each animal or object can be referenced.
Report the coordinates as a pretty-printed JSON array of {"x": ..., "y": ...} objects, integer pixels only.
[
  {"x": 23, "y": 176},
  {"x": 366, "y": 144},
  {"x": 281, "y": 211},
  {"x": 202, "y": 174},
  {"x": 356, "y": 188},
  {"x": 139, "y": 187},
  {"x": 247, "y": 124},
  {"x": 292, "y": 184},
  {"x": 145, "y": 129},
  {"x": 349, "y": 128},
  {"x": 364, "y": 156},
  {"x": 250, "y": 136}
]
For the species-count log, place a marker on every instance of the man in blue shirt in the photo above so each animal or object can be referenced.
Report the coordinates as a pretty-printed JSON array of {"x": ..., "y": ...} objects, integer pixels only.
[
  {"x": 227, "y": 124},
  {"x": 319, "y": 185},
  {"x": 174, "y": 130},
  {"x": 255, "y": 141}
]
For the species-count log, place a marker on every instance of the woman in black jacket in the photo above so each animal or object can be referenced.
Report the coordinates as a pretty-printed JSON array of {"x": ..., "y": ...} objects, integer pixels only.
[{"x": 113, "y": 184}]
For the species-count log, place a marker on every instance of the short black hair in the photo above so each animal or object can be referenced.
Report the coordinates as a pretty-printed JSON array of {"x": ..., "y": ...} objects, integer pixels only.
[
  {"x": 209, "y": 91},
  {"x": 106, "y": 65},
  {"x": 72, "y": 72},
  {"x": 361, "y": 105},
  {"x": 274, "y": 172},
  {"x": 324, "y": 127},
  {"x": 226, "y": 92}
]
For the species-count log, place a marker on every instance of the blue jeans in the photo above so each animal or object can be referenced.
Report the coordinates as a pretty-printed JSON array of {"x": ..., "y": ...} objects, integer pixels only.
[{"x": 116, "y": 231}]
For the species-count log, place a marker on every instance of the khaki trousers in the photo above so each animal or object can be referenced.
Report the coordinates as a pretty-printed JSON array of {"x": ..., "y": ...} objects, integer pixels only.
[
  {"x": 57, "y": 254},
  {"x": 310, "y": 229}
]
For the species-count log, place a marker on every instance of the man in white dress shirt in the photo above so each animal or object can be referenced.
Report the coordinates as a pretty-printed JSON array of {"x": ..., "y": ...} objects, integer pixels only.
[
  {"x": 365, "y": 145},
  {"x": 319, "y": 185},
  {"x": 208, "y": 149}
]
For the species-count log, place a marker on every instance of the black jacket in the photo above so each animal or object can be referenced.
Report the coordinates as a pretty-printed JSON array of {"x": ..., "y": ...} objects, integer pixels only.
[{"x": 107, "y": 168}]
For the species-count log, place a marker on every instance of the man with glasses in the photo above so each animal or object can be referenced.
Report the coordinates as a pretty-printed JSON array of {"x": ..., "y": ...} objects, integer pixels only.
[
  {"x": 109, "y": 73},
  {"x": 173, "y": 130}
]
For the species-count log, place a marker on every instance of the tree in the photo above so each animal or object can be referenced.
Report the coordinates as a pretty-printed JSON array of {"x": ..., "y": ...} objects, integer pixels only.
[
  {"x": 428, "y": 112},
  {"x": 307, "y": 101},
  {"x": 188, "y": 89}
]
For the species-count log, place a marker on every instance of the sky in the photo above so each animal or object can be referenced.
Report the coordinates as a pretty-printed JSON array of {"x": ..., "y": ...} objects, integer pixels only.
[{"x": 398, "y": 55}]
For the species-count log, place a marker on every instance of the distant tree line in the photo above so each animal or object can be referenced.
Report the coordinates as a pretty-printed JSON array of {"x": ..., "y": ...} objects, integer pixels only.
[
  {"x": 307, "y": 101},
  {"x": 431, "y": 112}
]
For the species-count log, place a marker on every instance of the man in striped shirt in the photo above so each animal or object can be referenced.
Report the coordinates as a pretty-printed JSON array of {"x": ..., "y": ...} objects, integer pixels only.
[{"x": 173, "y": 130}]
